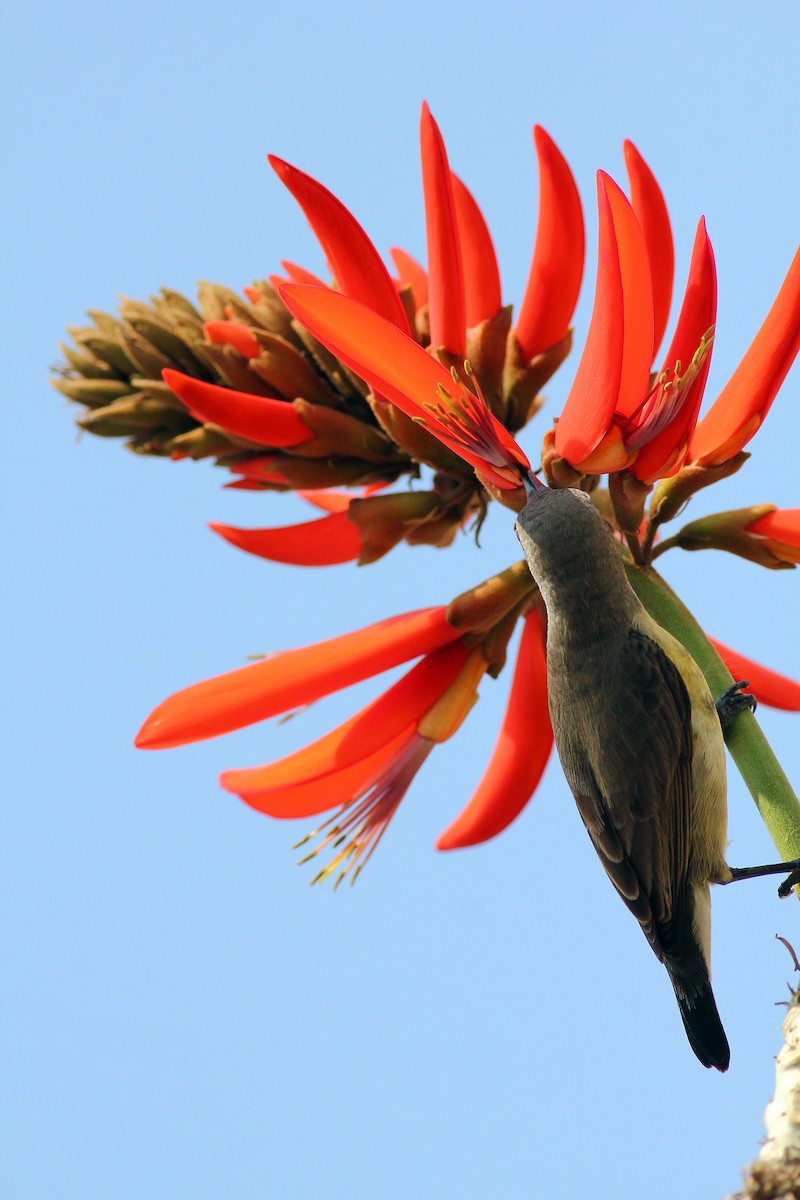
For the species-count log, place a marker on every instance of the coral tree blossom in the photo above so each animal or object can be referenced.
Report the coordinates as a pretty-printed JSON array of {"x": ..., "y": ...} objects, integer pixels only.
[{"x": 337, "y": 392}]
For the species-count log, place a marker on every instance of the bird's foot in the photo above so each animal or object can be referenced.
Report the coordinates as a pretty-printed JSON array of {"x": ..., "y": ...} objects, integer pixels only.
[
  {"x": 793, "y": 867},
  {"x": 734, "y": 701}
]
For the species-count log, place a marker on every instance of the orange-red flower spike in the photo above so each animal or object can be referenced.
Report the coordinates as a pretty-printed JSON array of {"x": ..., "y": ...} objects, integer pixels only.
[
  {"x": 745, "y": 400},
  {"x": 291, "y": 679},
  {"x": 482, "y": 292},
  {"x": 769, "y": 687},
  {"x": 412, "y": 274},
  {"x": 257, "y": 418},
  {"x": 399, "y": 370},
  {"x": 669, "y": 426},
  {"x": 322, "y": 543},
  {"x": 356, "y": 265},
  {"x": 520, "y": 754},
  {"x": 231, "y": 333},
  {"x": 554, "y": 279},
  {"x": 650, "y": 207},
  {"x": 398, "y": 710},
  {"x": 445, "y": 271}
]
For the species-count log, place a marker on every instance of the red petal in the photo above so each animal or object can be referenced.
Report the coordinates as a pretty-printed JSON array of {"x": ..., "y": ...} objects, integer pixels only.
[
  {"x": 412, "y": 274},
  {"x": 292, "y": 678},
  {"x": 665, "y": 453},
  {"x": 520, "y": 754},
  {"x": 318, "y": 795},
  {"x": 329, "y": 500},
  {"x": 554, "y": 280},
  {"x": 745, "y": 400},
  {"x": 782, "y": 525},
  {"x": 231, "y": 333},
  {"x": 257, "y": 418},
  {"x": 445, "y": 273},
  {"x": 244, "y": 485},
  {"x": 394, "y": 366},
  {"x": 399, "y": 709},
  {"x": 253, "y": 294},
  {"x": 482, "y": 293},
  {"x": 301, "y": 275},
  {"x": 770, "y": 688},
  {"x": 589, "y": 407},
  {"x": 357, "y": 267},
  {"x": 651, "y": 209},
  {"x": 637, "y": 291},
  {"x": 321, "y": 543}
]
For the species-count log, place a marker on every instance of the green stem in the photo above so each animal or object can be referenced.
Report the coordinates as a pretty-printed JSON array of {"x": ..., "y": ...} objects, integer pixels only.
[{"x": 750, "y": 750}]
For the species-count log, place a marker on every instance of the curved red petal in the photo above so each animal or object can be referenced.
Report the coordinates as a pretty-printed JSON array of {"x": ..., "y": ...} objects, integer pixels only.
[
  {"x": 745, "y": 400},
  {"x": 244, "y": 485},
  {"x": 483, "y": 296},
  {"x": 637, "y": 292},
  {"x": 554, "y": 279},
  {"x": 398, "y": 709},
  {"x": 327, "y": 499},
  {"x": 253, "y": 294},
  {"x": 291, "y": 678},
  {"x": 520, "y": 754},
  {"x": 412, "y": 274},
  {"x": 446, "y": 302},
  {"x": 396, "y": 368},
  {"x": 323, "y": 543},
  {"x": 319, "y": 795},
  {"x": 231, "y": 333},
  {"x": 301, "y": 275},
  {"x": 651, "y": 209},
  {"x": 257, "y": 418},
  {"x": 769, "y": 687},
  {"x": 782, "y": 525},
  {"x": 590, "y": 405},
  {"x": 357, "y": 267},
  {"x": 665, "y": 453}
]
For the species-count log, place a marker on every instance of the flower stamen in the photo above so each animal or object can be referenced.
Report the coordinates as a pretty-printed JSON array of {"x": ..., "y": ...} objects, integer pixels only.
[
  {"x": 357, "y": 828},
  {"x": 666, "y": 398}
]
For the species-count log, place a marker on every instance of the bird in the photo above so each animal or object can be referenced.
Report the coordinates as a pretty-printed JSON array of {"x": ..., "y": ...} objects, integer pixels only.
[{"x": 640, "y": 739}]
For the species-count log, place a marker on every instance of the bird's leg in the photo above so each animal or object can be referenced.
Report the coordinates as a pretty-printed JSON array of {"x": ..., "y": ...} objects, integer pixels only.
[
  {"x": 793, "y": 867},
  {"x": 733, "y": 701}
]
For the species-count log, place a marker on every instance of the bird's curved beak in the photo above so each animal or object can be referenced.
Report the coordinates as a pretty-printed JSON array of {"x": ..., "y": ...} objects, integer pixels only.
[{"x": 532, "y": 485}]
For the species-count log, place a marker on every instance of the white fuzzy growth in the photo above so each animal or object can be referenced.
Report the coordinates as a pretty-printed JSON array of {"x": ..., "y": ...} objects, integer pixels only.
[
  {"x": 775, "y": 1174},
  {"x": 782, "y": 1115}
]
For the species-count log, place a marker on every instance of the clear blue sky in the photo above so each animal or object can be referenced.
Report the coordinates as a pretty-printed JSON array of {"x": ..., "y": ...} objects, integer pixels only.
[{"x": 184, "y": 1016}]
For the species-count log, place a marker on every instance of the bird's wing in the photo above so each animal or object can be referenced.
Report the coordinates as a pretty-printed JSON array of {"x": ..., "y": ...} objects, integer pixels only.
[{"x": 634, "y": 791}]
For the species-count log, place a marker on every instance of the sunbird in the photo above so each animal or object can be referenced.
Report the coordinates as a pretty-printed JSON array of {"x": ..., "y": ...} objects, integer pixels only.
[{"x": 640, "y": 739}]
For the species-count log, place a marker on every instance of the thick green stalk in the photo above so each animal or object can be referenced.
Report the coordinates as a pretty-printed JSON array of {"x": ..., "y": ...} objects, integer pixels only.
[{"x": 750, "y": 750}]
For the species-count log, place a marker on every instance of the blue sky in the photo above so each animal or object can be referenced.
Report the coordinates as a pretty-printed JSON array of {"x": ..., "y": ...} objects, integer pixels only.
[{"x": 186, "y": 1017}]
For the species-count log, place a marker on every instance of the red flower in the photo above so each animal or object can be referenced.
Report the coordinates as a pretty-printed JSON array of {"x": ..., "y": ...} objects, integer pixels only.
[
  {"x": 612, "y": 418},
  {"x": 399, "y": 370},
  {"x": 364, "y": 767},
  {"x": 410, "y": 341}
]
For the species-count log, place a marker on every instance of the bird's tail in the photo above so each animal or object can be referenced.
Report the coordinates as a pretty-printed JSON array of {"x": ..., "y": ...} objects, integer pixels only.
[{"x": 698, "y": 1010}]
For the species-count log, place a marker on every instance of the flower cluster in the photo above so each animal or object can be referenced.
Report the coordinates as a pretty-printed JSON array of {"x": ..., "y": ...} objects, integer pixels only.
[{"x": 341, "y": 391}]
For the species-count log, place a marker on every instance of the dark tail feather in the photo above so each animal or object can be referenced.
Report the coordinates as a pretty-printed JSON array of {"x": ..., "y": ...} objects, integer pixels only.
[{"x": 701, "y": 1020}]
